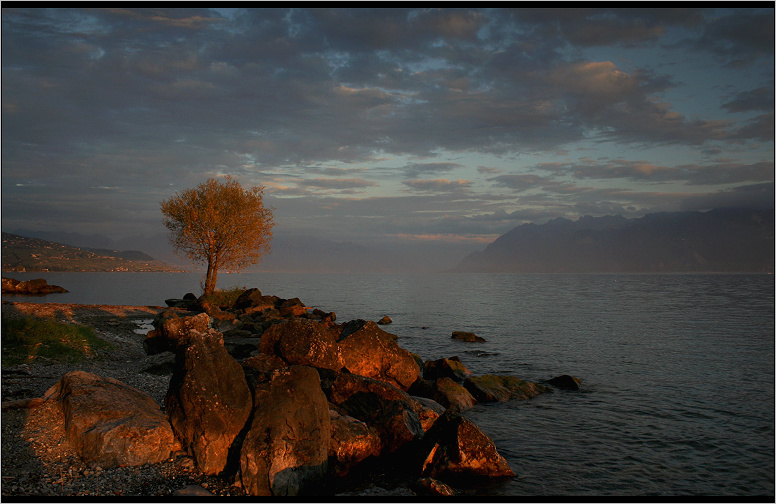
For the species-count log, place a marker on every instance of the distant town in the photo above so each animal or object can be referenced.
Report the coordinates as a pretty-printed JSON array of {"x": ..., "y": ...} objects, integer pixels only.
[{"x": 22, "y": 254}]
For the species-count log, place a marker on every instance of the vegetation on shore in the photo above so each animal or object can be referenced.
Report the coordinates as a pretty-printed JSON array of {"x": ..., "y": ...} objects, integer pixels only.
[{"x": 25, "y": 339}]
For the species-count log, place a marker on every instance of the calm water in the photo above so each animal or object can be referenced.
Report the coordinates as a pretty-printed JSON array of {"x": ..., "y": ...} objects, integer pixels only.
[{"x": 678, "y": 370}]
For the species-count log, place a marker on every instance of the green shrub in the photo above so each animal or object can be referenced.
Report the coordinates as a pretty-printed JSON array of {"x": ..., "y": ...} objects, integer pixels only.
[
  {"x": 25, "y": 339},
  {"x": 223, "y": 299}
]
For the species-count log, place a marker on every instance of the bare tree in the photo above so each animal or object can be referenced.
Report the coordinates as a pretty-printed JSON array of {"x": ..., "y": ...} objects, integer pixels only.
[{"x": 220, "y": 223}]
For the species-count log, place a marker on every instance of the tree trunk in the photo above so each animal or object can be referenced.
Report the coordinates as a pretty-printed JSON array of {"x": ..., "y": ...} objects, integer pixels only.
[{"x": 211, "y": 277}]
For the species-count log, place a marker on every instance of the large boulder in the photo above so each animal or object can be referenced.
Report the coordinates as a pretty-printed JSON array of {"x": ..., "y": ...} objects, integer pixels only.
[
  {"x": 393, "y": 413},
  {"x": 208, "y": 401},
  {"x": 455, "y": 449},
  {"x": 495, "y": 388},
  {"x": 352, "y": 441},
  {"x": 446, "y": 368},
  {"x": 172, "y": 327},
  {"x": 303, "y": 342},
  {"x": 111, "y": 424},
  {"x": 369, "y": 351},
  {"x": 285, "y": 452},
  {"x": 452, "y": 395}
]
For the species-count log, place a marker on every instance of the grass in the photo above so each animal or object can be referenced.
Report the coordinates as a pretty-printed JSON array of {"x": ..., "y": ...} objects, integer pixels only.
[{"x": 26, "y": 339}]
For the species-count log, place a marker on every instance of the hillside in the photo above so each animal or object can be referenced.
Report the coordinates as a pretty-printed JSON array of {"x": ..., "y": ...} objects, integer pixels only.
[
  {"x": 20, "y": 253},
  {"x": 720, "y": 240}
]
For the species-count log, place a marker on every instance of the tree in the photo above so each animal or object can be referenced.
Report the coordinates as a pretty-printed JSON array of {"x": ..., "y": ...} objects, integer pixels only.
[{"x": 220, "y": 223}]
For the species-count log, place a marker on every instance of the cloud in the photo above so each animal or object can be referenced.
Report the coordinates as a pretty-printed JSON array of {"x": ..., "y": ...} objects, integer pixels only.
[
  {"x": 414, "y": 170},
  {"x": 750, "y": 196},
  {"x": 438, "y": 185},
  {"x": 336, "y": 183},
  {"x": 756, "y": 99},
  {"x": 694, "y": 174}
]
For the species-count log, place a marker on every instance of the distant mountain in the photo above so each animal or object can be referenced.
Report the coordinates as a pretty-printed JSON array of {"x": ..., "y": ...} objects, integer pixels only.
[
  {"x": 303, "y": 254},
  {"x": 20, "y": 253},
  {"x": 289, "y": 253},
  {"x": 720, "y": 240}
]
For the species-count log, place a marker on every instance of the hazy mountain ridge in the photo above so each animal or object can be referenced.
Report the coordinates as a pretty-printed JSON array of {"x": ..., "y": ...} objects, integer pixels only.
[
  {"x": 720, "y": 240},
  {"x": 21, "y": 253}
]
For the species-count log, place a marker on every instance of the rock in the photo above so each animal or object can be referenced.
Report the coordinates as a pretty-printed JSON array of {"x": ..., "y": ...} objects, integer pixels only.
[
  {"x": 208, "y": 401},
  {"x": 259, "y": 368},
  {"x": 285, "y": 452},
  {"x": 291, "y": 308},
  {"x": 385, "y": 320},
  {"x": 110, "y": 423},
  {"x": 428, "y": 411},
  {"x": 9, "y": 284},
  {"x": 432, "y": 488},
  {"x": 325, "y": 316},
  {"x": 192, "y": 491},
  {"x": 171, "y": 329},
  {"x": 161, "y": 364},
  {"x": 303, "y": 342},
  {"x": 455, "y": 449},
  {"x": 249, "y": 298},
  {"x": 186, "y": 304},
  {"x": 36, "y": 286},
  {"x": 467, "y": 336},
  {"x": 352, "y": 441},
  {"x": 389, "y": 410},
  {"x": 450, "y": 368},
  {"x": 241, "y": 344},
  {"x": 452, "y": 395},
  {"x": 565, "y": 382},
  {"x": 493, "y": 388},
  {"x": 369, "y": 351}
]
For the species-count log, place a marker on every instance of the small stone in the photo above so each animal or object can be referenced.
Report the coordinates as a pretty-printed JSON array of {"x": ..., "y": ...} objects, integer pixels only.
[{"x": 385, "y": 320}]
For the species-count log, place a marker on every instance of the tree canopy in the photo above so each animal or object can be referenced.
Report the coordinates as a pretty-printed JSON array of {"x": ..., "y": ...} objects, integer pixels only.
[{"x": 221, "y": 224}]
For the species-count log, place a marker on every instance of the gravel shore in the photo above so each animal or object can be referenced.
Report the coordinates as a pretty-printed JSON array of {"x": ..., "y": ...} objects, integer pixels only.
[{"x": 37, "y": 459}]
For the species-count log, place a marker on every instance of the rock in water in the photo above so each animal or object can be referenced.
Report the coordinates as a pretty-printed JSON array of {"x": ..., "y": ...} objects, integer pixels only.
[
  {"x": 208, "y": 401},
  {"x": 369, "y": 351},
  {"x": 494, "y": 388},
  {"x": 455, "y": 448},
  {"x": 441, "y": 368},
  {"x": 286, "y": 449},
  {"x": 565, "y": 382},
  {"x": 467, "y": 336},
  {"x": 110, "y": 423}
]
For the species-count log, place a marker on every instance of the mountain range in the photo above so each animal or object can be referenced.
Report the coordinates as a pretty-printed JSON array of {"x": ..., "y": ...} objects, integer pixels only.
[{"x": 719, "y": 240}]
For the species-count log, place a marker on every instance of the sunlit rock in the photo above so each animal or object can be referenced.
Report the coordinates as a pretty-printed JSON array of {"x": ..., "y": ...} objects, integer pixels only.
[
  {"x": 303, "y": 342},
  {"x": 352, "y": 441},
  {"x": 455, "y": 449},
  {"x": 467, "y": 336},
  {"x": 285, "y": 452},
  {"x": 208, "y": 401},
  {"x": 110, "y": 423},
  {"x": 369, "y": 351}
]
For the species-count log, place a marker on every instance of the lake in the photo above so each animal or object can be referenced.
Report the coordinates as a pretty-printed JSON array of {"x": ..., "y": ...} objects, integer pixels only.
[{"x": 677, "y": 369}]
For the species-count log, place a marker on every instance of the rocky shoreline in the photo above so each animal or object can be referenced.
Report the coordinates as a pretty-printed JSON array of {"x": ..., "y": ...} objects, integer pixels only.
[{"x": 361, "y": 372}]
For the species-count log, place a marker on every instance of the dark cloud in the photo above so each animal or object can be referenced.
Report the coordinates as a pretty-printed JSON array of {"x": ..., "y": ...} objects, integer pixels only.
[
  {"x": 755, "y": 99},
  {"x": 108, "y": 111}
]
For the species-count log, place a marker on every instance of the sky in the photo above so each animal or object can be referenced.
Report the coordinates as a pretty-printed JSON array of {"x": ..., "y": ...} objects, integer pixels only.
[{"x": 430, "y": 129}]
